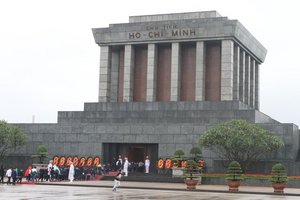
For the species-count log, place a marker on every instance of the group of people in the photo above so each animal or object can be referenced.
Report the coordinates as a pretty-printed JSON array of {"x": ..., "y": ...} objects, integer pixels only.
[
  {"x": 127, "y": 166},
  {"x": 14, "y": 175},
  {"x": 50, "y": 172},
  {"x": 54, "y": 173},
  {"x": 122, "y": 167}
]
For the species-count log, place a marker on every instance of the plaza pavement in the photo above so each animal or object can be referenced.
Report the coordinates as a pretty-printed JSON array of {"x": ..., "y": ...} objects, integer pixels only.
[{"x": 174, "y": 186}]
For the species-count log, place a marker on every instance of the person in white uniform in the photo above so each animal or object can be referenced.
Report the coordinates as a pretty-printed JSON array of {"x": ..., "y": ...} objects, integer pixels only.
[
  {"x": 125, "y": 167},
  {"x": 147, "y": 164}
]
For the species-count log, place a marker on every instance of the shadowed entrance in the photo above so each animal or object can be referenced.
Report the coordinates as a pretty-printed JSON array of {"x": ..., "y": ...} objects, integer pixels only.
[{"x": 134, "y": 151}]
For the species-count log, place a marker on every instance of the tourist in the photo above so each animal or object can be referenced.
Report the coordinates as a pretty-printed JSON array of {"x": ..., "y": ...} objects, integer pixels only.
[
  {"x": 8, "y": 175},
  {"x": 117, "y": 181},
  {"x": 14, "y": 176},
  {"x": 28, "y": 173},
  {"x": 2, "y": 174},
  {"x": 56, "y": 172},
  {"x": 71, "y": 172},
  {"x": 42, "y": 174},
  {"x": 20, "y": 176},
  {"x": 125, "y": 167},
  {"x": 49, "y": 168},
  {"x": 34, "y": 173},
  {"x": 141, "y": 166}
]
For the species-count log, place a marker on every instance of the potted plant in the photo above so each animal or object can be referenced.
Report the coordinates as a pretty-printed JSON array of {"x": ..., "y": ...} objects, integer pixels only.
[
  {"x": 278, "y": 178},
  {"x": 192, "y": 172},
  {"x": 234, "y": 176},
  {"x": 197, "y": 157},
  {"x": 176, "y": 163}
]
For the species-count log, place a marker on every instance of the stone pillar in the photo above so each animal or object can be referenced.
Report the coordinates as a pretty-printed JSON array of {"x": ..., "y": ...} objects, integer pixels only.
[
  {"x": 105, "y": 74},
  {"x": 200, "y": 72},
  {"x": 247, "y": 79},
  {"x": 128, "y": 73},
  {"x": 175, "y": 72},
  {"x": 151, "y": 72},
  {"x": 236, "y": 72},
  {"x": 242, "y": 76},
  {"x": 114, "y": 76},
  {"x": 252, "y": 83},
  {"x": 227, "y": 70},
  {"x": 256, "y": 86}
]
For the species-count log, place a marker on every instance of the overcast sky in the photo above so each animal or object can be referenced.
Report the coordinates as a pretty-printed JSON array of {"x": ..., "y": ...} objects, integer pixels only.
[{"x": 49, "y": 61}]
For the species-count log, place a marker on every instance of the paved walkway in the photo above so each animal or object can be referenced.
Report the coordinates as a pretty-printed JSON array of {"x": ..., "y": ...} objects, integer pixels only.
[{"x": 174, "y": 186}]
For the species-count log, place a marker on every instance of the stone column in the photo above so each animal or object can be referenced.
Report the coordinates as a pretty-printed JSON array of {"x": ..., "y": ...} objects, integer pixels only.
[
  {"x": 227, "y": 70},
  {"x": 247, "y": 79},
  {"x": 128, "y": 73},
  {"x": 256, "y": 86},
  {"x": 242, "y": 76},
  {"x": 252, "y": 83},
  {"x": 151, "y": 72},
  {"x": 200, "y": 72},
  {"x": 114, "y": 76},
  {"x": 175, "y": 72},
  {"x": 236, "y": 72},
  {"x": 105, "y": 74}
]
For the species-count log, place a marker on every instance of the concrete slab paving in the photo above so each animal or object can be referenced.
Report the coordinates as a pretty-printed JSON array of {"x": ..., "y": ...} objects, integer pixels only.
[
  {"x": 37, "y": 192},
  {"x": 176, "y": 186}
]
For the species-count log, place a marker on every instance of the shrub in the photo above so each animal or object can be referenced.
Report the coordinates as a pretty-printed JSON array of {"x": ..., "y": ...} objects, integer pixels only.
[
  {"x": 196, "y": 152},
  {"x": 177, "y": 158},
  {"x": 234, "y": 171},
  {"x": 278, "y": 173},
  {"x": 191, "y": 171}
]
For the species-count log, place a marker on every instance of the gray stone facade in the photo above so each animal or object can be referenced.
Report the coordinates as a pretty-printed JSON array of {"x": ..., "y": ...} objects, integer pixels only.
[{"x": 171, "y": 125}]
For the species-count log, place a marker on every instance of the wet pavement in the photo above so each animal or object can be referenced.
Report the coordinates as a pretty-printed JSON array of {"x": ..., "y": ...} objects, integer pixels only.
[{"x": 24, "y": 192}]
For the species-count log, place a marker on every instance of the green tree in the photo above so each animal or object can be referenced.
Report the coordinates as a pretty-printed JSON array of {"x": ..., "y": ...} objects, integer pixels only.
[
  {"x": 178, "y": 157},
  {"x": 11, "y": 138},
  {"x": 197, "y": 153},
  {"x": 41, "y": 153},
  {"x": 241, "y": 141}
]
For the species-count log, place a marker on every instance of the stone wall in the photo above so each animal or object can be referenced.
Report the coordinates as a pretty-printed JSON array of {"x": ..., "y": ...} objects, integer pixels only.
[{"x": 171, "y": 125}]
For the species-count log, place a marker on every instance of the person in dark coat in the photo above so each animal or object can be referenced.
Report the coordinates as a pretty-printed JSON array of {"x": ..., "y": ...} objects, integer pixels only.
[
  {"x": 20, "y": 176},
  {"x": 2, "y": 174},
  {"x": 14, "y": 176}
]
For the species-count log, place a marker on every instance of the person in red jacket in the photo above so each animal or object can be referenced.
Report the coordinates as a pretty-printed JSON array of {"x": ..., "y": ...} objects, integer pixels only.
[{"x": 28, "y": 173}]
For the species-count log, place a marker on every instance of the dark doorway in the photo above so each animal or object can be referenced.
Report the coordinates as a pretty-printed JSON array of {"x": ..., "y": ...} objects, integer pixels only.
[{"x": 136, "y": 152}]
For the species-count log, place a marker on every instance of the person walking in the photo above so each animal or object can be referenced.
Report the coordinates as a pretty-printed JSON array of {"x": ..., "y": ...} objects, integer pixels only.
[
  {"x": 2, "y": 173},
  {"x": 8, "y": 174},
  {"x": 71, "y": 172},
  {"x": 49, "y": 168},
  {"x": 147, "y": 164},
  {"x": 34, "y": 174},
  {"x": 117, "y": 181},
  {"x": 28, "y": 173},
  {"x": 14, "y": 176},
  {"x": 125, "y": 167}
]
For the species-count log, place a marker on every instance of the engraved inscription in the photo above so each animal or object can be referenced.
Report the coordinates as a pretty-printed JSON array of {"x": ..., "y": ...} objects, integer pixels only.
[{"x": 166, "y": 30}]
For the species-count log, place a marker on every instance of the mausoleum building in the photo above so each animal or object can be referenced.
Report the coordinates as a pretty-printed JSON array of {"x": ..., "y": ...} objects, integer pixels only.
[{"x": 164, "y": 80}]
